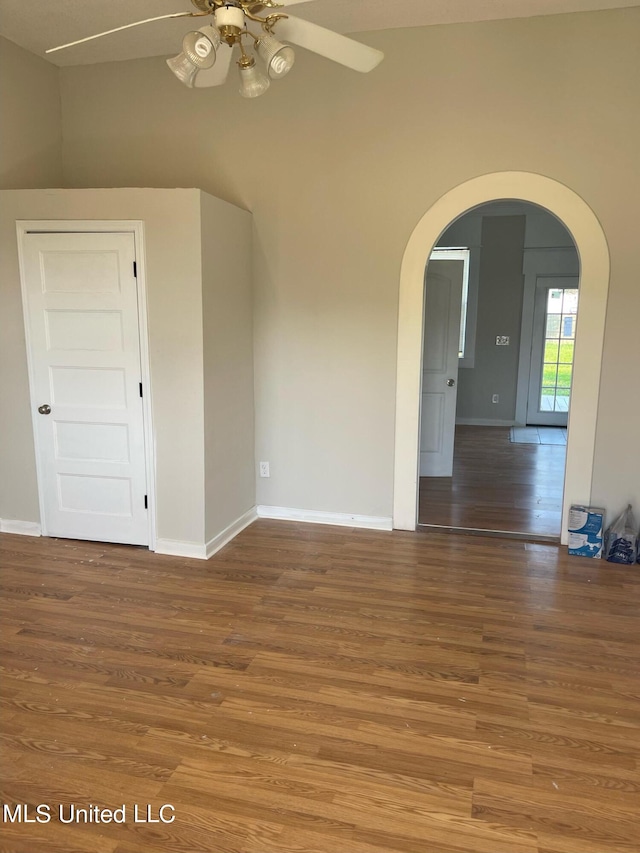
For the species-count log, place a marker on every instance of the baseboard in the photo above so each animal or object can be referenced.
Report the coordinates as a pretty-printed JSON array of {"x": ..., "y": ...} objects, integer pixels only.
[
  {"x": 483, "y": 422},
  {"x": 22, "y": 528},
  {"x": 230, "y": 532},
  {"x": 180, "y": 548},
  {"x": 342, "y": 519},
  {"x": 202, "y": 551}
]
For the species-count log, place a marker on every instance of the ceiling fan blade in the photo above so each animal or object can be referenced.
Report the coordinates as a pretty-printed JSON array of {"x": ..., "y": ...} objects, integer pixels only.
[
  {"x": 217, "y": 74},
  {"x": 339, "y": 48},
  {"x": 126, "y": 27}
]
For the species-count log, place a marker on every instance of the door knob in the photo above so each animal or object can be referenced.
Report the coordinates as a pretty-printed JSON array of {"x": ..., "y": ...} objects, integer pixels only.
[
  {"x": 451, "y": 382},
  {"x": 45, "y": 409}
]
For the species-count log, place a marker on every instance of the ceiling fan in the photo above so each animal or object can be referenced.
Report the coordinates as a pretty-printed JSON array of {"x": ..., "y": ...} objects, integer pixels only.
[{"x": 206, "y": 53}]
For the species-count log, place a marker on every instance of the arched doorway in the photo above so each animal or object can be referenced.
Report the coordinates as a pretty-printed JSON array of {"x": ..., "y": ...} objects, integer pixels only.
[{"x": 589, "y": 238}]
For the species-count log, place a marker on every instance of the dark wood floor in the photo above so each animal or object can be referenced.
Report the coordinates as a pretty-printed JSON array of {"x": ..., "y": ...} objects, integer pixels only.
[
  {"x": 497, "y": 485},
  {"x": 322, "y": 690}
]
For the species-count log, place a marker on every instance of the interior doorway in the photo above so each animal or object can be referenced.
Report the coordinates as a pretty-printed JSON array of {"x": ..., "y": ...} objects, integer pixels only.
[
  {"x": 498, "y": 471},
  {"x": 84, "y": 308},
  {"x": 589, "y": 238}
]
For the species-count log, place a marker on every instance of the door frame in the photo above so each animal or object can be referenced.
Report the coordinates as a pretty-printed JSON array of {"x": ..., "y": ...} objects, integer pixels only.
[
  {"x": 443, "y": 254},
  {"x": 538, "y": 263},
  {"x": 69, "y": 226},
  {"x": 440, "y": 255},
  {"x": 593, "y": 252},
  {"x": 535, "y": 415}
]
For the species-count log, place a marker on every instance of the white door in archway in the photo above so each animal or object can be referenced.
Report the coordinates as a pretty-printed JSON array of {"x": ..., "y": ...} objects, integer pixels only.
[{"x": 442, "y": 306}]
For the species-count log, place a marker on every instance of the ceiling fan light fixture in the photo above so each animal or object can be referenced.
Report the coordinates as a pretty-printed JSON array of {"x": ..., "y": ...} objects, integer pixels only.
[
  {"x": 253, "y": 82},
  {"x": 184, "y": 69},
  {"x": 202, "y": 63},
  {"x": 230, "y": 22},
  {"x": 277, "y": 57},
  {"x": 200, "y": 47}
]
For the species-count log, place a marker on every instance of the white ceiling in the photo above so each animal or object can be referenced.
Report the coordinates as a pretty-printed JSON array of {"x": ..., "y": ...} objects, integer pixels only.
[{"x": 39, "y": 24}]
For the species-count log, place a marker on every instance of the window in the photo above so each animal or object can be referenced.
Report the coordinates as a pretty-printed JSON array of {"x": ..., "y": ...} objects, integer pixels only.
[
  {"x": 559, "y": 339},
  {"x": 465, "y": 348}
]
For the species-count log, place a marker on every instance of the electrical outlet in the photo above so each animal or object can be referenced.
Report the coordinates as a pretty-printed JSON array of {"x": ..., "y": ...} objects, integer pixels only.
[
  {"x": 502, "y": 340},
  {"x": 495, "y": 398},
  {"x": 264, "y": 469}
]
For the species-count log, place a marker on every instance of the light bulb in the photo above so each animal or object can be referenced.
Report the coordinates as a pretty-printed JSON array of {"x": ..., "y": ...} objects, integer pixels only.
[
  {"x": 277, "y": 57},
  {"x": 200, "y": 46}
]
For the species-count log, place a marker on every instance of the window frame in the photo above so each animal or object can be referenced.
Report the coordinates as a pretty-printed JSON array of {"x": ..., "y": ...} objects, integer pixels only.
[{"x": 468, "y": 312}]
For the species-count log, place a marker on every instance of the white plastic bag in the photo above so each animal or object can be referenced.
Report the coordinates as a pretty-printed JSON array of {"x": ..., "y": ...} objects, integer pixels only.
[{"x": 621, "y": 539}]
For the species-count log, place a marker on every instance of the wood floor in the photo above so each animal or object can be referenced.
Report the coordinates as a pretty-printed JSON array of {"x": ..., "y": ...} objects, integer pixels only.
[
  {"x": 497, "y": 485},
  {"x": 322, "y": 690}
]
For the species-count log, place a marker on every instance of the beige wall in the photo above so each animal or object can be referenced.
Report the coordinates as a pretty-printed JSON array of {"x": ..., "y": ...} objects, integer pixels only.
[
  {"x": 198, "y": 283},
  {"x": 30, "y": 121},
  {"x": 227, "y": 305},
  {"x": 173, "y": 271},
  {"x": 338, "y": 168}
]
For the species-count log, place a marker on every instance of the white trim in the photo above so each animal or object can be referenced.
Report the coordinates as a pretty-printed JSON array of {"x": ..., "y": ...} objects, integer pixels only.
[
  {"x": 537, "y": 262},
  {"x": 591, "y": 243},
  {"x": 199, "y": 551},
  {"x": 484, "y": 422},
  {"x": 474, "y": 247},
  {"x": 473, "y": 291},
  {"x": 230, "y": 532},
  {"x": 535, "y": 416},
  {"x": 179, "y": 548},
  {"x": 21, "y": 229},
  {"x": 341, "y": 519},
  {"x": 145, "y": 371},
  {"x": 22, "y": 528},
  {"x": 87, "y": 226},
  {"x": 464, "y": 255}
]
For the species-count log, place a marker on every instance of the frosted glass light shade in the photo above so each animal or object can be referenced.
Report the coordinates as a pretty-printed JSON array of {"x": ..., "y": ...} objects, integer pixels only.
[
  {"x": 277, "y": 57},
  {"x": 200, "y": 46},
  {"x": 252, "y": 82},
  {"x": 184, "y": 70}
]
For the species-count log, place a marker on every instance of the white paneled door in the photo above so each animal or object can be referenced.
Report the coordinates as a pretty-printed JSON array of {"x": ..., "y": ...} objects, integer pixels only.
[
  {"x": 443, "y": 302},
  {"x": 81, "y": 314}
]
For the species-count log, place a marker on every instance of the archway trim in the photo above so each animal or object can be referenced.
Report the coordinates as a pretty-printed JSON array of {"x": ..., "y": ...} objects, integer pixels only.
[{"x": 593, "y": 252}]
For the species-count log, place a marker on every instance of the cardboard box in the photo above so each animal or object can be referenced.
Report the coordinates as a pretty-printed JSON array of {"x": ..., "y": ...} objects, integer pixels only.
[{"x": 586, "y": 531}]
